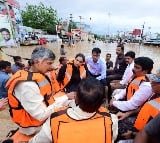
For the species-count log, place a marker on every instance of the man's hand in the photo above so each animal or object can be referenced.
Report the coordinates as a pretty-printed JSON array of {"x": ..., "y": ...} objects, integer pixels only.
[
  {"x": 3, "y": 102},
  {"x": 111, "y": 102},
  {"x": 71, "y": 95},
  {"x": 127, "y": 135},
  {"x": 121, "y": 115}
]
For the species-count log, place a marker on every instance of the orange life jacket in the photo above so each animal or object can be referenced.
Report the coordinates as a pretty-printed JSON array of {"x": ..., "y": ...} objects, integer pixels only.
[
  {"x": 18, "y": 137},
  {"x": 97, "y": 129},
  {"x": 133, "y": 86},
  {"x": 18, "y": 113},
  {"x": 52, "y": 76},
  {"x": 57, "y": 70},
  {"x": 149, "y": 110},
  {"x": 68, "y": 74}
]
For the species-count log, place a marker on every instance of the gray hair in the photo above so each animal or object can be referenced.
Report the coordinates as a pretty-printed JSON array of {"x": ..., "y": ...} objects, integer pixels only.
[{"x": 41, "y": 53}]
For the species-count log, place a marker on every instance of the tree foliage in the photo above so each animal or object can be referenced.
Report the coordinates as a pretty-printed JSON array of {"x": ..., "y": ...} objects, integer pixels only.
[
  {"x": 40, "y": 17},
  {"x": 72, "y": 25}
]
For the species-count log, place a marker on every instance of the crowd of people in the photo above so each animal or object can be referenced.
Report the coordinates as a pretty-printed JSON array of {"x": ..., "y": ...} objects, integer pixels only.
[{"x": 85, "y": 99}]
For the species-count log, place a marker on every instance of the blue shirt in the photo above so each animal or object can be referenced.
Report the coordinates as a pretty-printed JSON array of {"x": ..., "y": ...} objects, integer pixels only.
[
  {"x": 15, "y": 68},
  {"x": 98, "y": 68},
  {"x": 3, "y": 79}
]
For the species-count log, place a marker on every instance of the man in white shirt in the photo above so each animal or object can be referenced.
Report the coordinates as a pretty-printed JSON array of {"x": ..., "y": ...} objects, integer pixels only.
[
  {"x": 7, "y": 41},
  {"x": 30, "y": 93},
  {"x": 138, "y": 90},
  {"x": 90, "y": 96},
  {"x": 127, "y": 76},
  {"x": 97, "y": 66}
]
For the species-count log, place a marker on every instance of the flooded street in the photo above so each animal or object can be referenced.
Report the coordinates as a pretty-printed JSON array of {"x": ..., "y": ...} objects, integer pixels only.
[{"x": 85, "y": 48}]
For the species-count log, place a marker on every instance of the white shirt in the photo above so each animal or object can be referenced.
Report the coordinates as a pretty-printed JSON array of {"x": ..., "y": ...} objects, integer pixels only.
[
  {"x": 8, "y": 43},
  {"x": 127, "y": 76},
  {"x": 29, "y": 95},
  {"x": 137, "y": 100},
  {"x": 76, "y": 113},
  {"x": 98, "y": 68}
]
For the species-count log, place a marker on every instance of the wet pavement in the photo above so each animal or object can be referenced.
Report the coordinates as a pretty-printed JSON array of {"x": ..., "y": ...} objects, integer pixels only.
[{"x": 85, "y": 48}]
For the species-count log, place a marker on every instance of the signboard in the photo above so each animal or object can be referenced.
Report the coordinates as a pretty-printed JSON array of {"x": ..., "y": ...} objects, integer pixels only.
[{"x": 6, "y": 37}]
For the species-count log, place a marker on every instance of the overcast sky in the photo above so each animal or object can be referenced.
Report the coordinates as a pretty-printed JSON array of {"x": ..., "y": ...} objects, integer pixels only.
[{"x": 108, "y": 16}]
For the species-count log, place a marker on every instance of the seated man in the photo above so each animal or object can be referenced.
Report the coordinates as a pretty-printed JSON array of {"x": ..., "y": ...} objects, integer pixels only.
[
  {"x": 117, "y": 72},
  {"x": 133, "y": 122},
  {"x": 109, "y": 63},
  {"x": 97, "y": 66},
  {"x": 120, "y": 65},
  {"x": 18, "y": 65},
  {"x": 81, "y": 122},
  {"x": 138, "y": 90},
  {"x": 5, "y": 70},
  {"x": 127, "y": 76},
  {"x": 30, "y": 93}
]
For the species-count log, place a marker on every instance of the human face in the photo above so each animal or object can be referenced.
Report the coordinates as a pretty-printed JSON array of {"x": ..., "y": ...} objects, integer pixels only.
[
  {"x": 43, "y": 66},
  {"x": 119, "y": 51},
  {"x": 78, "y": 61},
  {"x": 137, "y": 70},
  {"x": 128, "y": 60},
  {"x": 95, "y": 56},
  {"x": 108, "y": 57},
  {"x": 155, "y": 87},
  {"x": 8, "y": 69},
  {"x": 5, "y": 35},
  {"x": 64, "y": 61}
]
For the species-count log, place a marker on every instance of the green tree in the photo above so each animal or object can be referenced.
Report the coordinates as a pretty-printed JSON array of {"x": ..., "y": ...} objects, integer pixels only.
[
  {"x": 40, "y": 17},
  {"x": 72, "y": 25}
]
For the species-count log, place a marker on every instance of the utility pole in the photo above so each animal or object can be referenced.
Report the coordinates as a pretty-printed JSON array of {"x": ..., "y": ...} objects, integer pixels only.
[
  {"x": 80, "y": 20},
  {"x": 70, "y": 21},
  {"x": 142, "y": 30},
  {"x": 109, "y": 16},
  {"x": 71, "y": 17}
]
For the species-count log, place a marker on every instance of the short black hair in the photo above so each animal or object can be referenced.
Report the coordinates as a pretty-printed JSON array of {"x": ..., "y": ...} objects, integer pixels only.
[
  {"x": 4, "y": 29},
  {"x": 108, "y": 54},
  {"x": 121, "y": 46},
  {"x": 62, "y": 46},
  {"x": 90, "y": 94},
  {"x": 145, "y": 62},
  {"x": 16, "y": 58},
  {"x": 130, "y": 54},
  {"x": 61, "y": 59},
  {"x": 96, "y": 50},
  {"x": 4, "y": 64}
]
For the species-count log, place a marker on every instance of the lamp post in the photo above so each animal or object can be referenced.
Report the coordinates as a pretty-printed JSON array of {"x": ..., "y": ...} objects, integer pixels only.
[
  {"x": 71, "y": 17},
  {"x": 142, "y": 30},
  {"x": 80, "y": 20},
  {"x": 149, "y": 28},
  {"x": 109, "y": 16}
]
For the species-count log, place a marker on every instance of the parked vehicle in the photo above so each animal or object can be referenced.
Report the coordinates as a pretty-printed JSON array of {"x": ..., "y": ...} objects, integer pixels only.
[{"x": 42, "y": 41}]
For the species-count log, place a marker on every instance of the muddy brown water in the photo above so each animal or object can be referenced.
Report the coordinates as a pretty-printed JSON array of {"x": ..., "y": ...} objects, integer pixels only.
[{"x": 83, "y": 47}]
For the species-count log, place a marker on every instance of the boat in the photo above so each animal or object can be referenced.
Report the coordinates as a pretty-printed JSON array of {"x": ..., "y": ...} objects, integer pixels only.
[{"x": 154, "y": 42}]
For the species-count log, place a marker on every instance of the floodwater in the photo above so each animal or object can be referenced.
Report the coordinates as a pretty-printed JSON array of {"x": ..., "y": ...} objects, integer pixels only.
[
  {"x": 84, "y": 47},
  {"x": 25, "y": 51}
]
